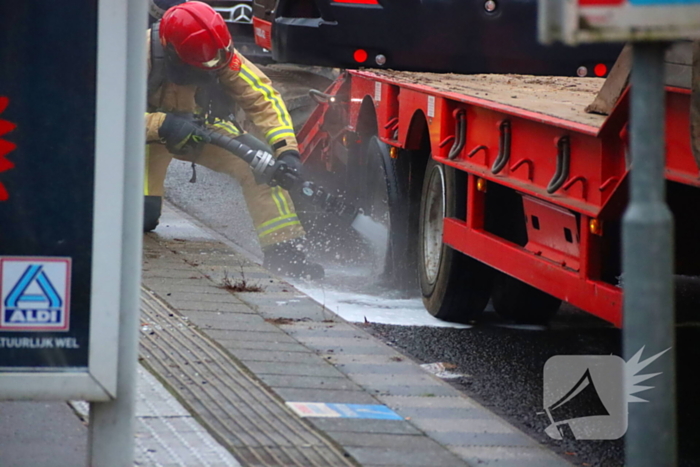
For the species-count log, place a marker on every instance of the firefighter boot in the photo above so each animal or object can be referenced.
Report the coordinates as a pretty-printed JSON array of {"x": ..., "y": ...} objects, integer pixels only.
[{"x": 287, "y": 259}]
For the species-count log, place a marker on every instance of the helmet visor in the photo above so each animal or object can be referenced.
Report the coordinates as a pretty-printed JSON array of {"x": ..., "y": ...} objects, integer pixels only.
[{"x": 220, "y": 60}]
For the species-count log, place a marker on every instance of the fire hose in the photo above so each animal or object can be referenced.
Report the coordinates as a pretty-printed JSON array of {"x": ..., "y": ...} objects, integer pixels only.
[{"x": 270, "y": 171}]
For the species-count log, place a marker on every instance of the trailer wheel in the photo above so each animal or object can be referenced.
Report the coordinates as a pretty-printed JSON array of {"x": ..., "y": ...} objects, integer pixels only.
[
  {"x": 386, "y": 201},
  {"x": 517, "y": 301},
  {"x": 455, "y": 287}
]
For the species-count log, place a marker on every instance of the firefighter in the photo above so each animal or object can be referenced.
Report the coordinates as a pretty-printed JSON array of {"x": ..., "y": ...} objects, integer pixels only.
[{"x": 194, "y": 73}]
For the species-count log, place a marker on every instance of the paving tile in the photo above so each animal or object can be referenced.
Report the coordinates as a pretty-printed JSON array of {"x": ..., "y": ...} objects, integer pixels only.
[
  {"x": 171, "y": 273},
  {"x": 384, "y": 440},
  {"x": 293, "y": 312},
  {"x": 325, "y": 395},
  {"x": 228, "y": 305},
  {"x": 229, "y": 322},
  {"x": 271, "y": 334},
  {"x": 390, "y": 357},
  {"x": 163, "y": 285},
  {"x": 420, "y": 390},
  {"x": 239, "y": 345},
  {"x": 338, "y": 325},
  {"x": 429, "y": 402},
  {"x": 304, "y": 333},
  {"x": 447, "y": 413},
  {"x": 354, "y": 425},
  {"x": 369, "y": 350},
  {"x": 215, "y": 295},
  {"x": 457, "y": 438},
  {"x": 502, "y": 456},
  {"x": 160, "y": 264},
  {"x": 291, "y": 298},
  {"x": 310, "y": 382},
  {"x": 379, "y": 379},
  {"x": 283, "y": 368},
  {"x": 247, "y": 355},
  {"x": 337, "y": 343},
  {"x": 163, "y": 288},
  {"x": 436, "y": 457},
  {"x": 483, "y": 425}
]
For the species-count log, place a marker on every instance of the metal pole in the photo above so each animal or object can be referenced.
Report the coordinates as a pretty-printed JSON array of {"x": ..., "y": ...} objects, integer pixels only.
[
  {"x": 649, "y": 318},
  {"x": 112, "y": 423}
]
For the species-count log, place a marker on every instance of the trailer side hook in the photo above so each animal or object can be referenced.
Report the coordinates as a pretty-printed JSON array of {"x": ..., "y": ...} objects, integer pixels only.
[
  {"x": 460, "y": 133},
  {"x": 562, "y": 171},
  {"x": 503, "y": 147}
]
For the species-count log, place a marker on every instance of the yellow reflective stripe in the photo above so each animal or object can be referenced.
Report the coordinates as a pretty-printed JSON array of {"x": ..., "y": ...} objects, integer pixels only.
[
  {"x": 276, "y": 199},
  {"x": 279, "y": 136},
  {"x": 277, "y": 195},
  {"x": 227, "y": 126},
  {"x": 280, "y": 129},
  {"x": 267, "y": 224},
  {"x": 268, "y": 94},
  {"x": 274, "y": 229},
  {"x": 145, "y": 172}
]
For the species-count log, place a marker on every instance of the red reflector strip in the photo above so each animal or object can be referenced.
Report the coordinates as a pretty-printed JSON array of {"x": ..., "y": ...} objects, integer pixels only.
[{"x": 358, "y": 2}]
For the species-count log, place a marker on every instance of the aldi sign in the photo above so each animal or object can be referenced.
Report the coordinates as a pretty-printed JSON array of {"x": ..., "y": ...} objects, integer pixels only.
[
  {"x": 35, "y": 294},
  {"x": 577, "y": 21}
]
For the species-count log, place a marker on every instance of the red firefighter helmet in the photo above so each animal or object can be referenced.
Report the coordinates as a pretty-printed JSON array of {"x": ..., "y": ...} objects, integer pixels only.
[{"x": 198, "y": 34}]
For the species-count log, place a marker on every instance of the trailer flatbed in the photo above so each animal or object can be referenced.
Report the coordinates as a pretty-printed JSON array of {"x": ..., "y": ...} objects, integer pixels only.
[
  {"x": 564, "y": 98},
  {"x": 509, "y": 171}
]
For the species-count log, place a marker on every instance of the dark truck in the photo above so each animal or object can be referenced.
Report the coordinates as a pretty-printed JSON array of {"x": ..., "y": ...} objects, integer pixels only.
[{"x": 465, "y": 36}]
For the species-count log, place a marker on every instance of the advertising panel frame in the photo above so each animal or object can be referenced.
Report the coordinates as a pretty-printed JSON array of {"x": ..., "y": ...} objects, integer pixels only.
[{"x": 97, "y": 381}]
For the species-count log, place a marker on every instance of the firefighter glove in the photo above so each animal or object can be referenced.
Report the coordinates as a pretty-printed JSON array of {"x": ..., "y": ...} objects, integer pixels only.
[
  {"x": 182, "y": 134},
  {"x": 292, "y": 159}
]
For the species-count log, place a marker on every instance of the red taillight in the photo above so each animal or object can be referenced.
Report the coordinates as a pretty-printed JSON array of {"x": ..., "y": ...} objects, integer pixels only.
[
  {"x": 360, "y": 56},
  {"x": 358, "y": 2},
  {"x": 600, "y": 70}
]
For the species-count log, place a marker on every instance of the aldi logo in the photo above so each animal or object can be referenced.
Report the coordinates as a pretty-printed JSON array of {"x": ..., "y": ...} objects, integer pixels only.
[{"x": 35, "y": 294}]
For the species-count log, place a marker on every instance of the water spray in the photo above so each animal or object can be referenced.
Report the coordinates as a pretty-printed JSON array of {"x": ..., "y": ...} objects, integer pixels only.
[{"x": 270, "y": 171}]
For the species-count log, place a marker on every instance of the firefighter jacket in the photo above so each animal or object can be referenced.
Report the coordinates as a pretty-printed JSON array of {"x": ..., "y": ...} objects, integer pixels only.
[{"x": 245, "y": 84}]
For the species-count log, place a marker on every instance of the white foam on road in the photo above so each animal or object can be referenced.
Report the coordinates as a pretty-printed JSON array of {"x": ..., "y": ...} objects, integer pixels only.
[{"x": 360, "y": 308}]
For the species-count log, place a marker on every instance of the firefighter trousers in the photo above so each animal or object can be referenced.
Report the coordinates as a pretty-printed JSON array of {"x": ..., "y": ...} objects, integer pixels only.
[{"x": 271, "y": 208}]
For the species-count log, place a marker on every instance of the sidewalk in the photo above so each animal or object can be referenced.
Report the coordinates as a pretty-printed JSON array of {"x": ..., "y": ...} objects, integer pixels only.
[
  {"x": 278, "y": 380},
  {"x": 295, "y": 353}
]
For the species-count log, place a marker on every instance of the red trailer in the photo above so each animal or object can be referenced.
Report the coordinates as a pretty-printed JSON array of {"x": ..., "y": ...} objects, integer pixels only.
[{"x": 499, "y": 187}]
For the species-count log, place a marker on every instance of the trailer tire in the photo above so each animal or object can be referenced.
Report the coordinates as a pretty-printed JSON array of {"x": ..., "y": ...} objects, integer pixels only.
[
  {"x": 517, "y": 301},
  {"x": 454, "y": 286},
  {"x": 387, "y": 202}
]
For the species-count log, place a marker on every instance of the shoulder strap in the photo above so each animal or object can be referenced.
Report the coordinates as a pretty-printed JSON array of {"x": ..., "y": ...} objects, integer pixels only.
[
  {"x": 215, "y": 102},
  {"x": 156, "y": 76}
]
